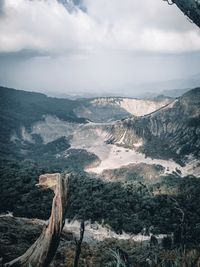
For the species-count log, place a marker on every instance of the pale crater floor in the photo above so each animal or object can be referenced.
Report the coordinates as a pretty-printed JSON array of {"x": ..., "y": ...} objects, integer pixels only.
[{"x": 92, "y": 137}]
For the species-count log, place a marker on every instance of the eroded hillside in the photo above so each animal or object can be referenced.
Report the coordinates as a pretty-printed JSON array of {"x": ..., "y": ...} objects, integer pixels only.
[
  {"x": 115, "y": 108},
  {"x": 166, "y": 137},
  {"x": 130, "y": 174},
  {"x": 171, "y": 132}
]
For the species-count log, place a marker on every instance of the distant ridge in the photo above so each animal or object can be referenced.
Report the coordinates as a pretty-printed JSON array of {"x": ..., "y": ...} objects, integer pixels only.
[{"x": 175, "y": 92}]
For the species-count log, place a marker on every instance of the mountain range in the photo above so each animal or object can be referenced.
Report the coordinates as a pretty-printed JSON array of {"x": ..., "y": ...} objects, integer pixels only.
[{"x": 134, "y": 164}]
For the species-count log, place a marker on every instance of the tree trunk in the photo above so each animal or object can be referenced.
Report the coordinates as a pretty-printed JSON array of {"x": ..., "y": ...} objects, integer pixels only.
[
  {"x": 41, "y": 253},
  {"x": 78, "y": 244},
  {"x": 190, "y": 8}
]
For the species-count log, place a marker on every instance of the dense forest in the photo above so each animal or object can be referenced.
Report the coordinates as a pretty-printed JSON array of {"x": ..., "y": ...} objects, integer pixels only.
[
  {"x": 129, "y": 206},
  {"x": 169, "y": 204}
]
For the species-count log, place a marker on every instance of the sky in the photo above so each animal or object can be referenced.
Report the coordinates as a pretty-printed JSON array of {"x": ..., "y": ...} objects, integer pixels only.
[{"x": 97, "y": 46}]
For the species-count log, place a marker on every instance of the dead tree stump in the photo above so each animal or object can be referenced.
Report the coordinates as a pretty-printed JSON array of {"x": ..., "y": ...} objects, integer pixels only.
[
  {"x": 78, "y": 244},
  {"x": 41, "y": 253}
]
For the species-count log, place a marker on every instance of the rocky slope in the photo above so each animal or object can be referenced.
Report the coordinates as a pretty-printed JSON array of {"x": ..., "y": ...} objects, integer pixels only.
[
  {"x": 168, "y": 137},
  {"x": 171, "y": 132},
  {"x": 114, "y": 108}
]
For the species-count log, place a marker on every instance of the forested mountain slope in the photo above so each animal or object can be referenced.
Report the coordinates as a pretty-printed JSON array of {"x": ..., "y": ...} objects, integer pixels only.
[
  {"x": 43, "y": 135},
  {"x": 21, "y": 108}
]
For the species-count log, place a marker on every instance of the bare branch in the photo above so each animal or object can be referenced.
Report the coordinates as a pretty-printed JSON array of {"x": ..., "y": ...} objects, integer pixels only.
[{"x": 78, "y": 244}]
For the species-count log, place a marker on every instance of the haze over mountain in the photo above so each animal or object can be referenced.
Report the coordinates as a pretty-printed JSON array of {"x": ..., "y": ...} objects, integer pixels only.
[{"x": 97, "y": 47}]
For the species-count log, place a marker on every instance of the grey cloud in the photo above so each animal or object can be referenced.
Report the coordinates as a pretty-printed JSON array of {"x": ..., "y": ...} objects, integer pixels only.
[
  {"x": 80, "y": 4},
  {"x": 22, "y": 54},
  {"x": 2, "y": 2},
  {"x": 116, "y": 46},
  {"x": 72, "y": 4},
  {"x": 107, "y": 25},
  {"x": 101, "y": 73}
]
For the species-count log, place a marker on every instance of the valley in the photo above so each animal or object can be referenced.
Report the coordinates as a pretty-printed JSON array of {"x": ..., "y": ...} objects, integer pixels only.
[
  {"x": 133, "y": 162},
  {"x": 93, "y": 137},
  {"x": 123, "y": 142},
  {"x": 99, "y": 133}
]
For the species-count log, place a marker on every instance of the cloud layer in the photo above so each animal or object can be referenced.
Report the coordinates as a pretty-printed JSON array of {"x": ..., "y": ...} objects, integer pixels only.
[
  {"x": 95, "y": 37},
  {"x": 125, "y": 25}
]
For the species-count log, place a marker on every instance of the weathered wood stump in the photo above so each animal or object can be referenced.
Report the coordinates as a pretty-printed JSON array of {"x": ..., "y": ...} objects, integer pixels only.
[{"x": 41, "y": 253}]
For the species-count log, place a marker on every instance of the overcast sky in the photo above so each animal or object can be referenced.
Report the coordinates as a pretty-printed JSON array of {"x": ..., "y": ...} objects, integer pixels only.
[{"x": 96, "y": 46}]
